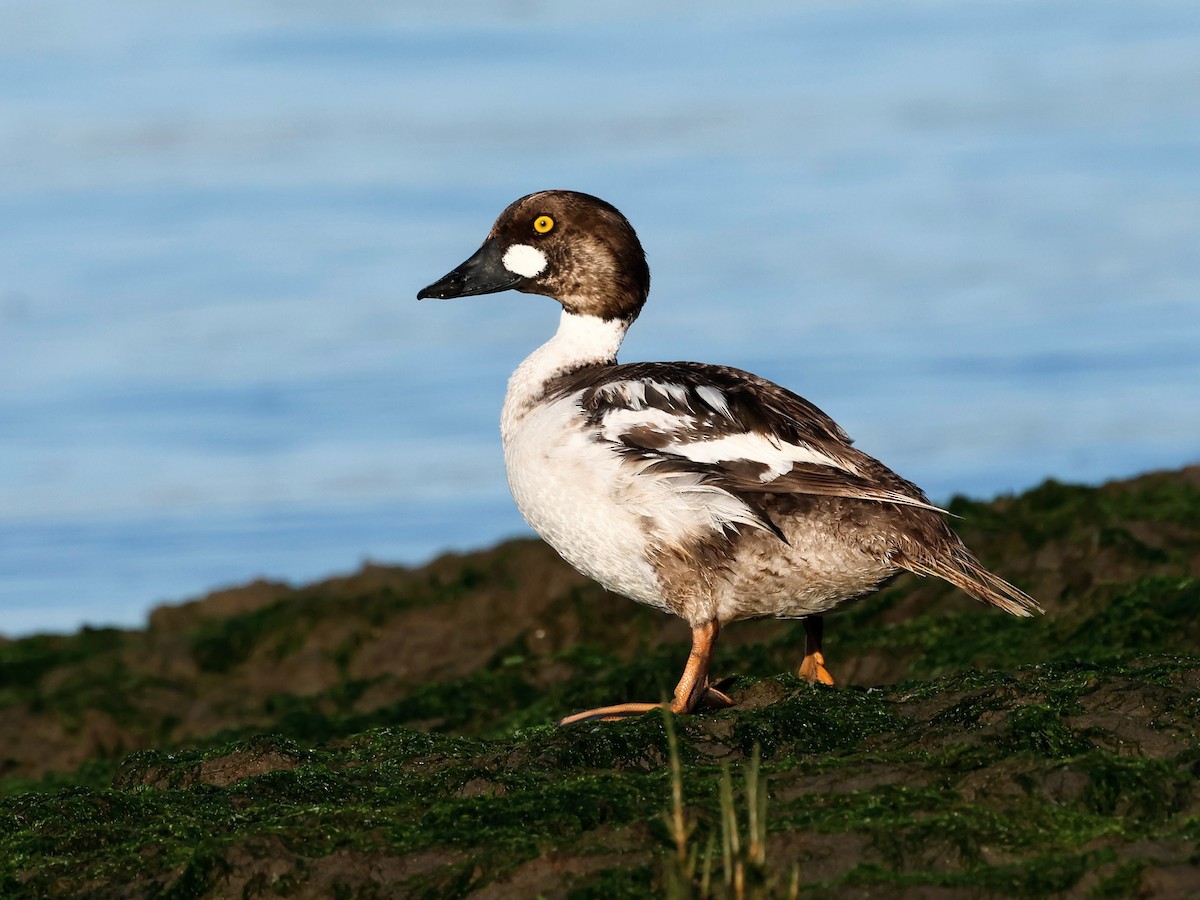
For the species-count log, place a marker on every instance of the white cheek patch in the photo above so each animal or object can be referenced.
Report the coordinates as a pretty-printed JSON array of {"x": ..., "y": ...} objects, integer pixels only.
[{"x": 523, "y": 260}]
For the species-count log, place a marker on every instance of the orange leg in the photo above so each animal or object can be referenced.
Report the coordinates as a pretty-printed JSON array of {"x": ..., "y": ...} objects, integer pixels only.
[
  {"x": 812, "y": 667},
  {"x": 692, "y": 692}
]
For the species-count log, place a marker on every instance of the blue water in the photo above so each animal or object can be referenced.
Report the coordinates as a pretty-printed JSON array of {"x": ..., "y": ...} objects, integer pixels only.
[{"x": 970, "y": 232}]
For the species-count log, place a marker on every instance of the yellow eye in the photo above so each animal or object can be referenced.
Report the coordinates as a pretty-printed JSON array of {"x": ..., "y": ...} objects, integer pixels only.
[{"x": 543, "y": 224}]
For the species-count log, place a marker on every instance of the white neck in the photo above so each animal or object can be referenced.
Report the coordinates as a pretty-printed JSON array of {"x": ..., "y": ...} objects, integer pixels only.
[{"x": 579, "y": 341}]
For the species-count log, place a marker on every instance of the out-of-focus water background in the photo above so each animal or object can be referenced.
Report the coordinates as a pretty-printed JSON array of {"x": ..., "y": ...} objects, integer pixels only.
[{"x": 969, "y": 232}]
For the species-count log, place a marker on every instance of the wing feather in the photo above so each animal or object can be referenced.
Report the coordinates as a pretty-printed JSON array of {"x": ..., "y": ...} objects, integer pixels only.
[{"x": 713, "y": 427}]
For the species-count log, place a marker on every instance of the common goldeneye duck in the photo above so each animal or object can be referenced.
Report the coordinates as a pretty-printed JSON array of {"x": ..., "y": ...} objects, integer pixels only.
[{"x": 698, "y": 489}]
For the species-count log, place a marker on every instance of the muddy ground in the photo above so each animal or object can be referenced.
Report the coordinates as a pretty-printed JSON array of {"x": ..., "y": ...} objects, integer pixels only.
[{"x": 388, "y": 733}]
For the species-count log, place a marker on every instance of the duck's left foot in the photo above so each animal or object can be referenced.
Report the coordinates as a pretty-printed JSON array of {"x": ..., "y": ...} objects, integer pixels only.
[
  {"x": 813, "y": 670},
  {"x": 812, "y": 667}
]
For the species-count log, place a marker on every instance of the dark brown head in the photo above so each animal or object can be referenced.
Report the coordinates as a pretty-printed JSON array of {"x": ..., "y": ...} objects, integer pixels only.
[{"x": 570, "y": 246}]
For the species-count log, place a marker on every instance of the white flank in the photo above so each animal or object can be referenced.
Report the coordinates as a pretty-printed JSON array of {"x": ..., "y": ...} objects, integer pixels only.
[
  {"x": 777, "y": 456},
  {"x": 693, "y": 507},
  {"x": 523, "y": 260}
]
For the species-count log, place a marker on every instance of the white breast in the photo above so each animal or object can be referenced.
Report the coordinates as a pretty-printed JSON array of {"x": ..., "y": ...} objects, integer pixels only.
[
  {"x": 574, "y": 492},
  {"x": 568, "y": 487}
]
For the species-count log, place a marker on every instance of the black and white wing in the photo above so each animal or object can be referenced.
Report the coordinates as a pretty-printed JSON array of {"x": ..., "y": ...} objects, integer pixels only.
[{"x": 730, "y": 433}]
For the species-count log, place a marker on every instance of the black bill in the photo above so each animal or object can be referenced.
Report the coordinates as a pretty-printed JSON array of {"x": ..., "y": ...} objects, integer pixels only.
[{"x": 483, "y": 273}]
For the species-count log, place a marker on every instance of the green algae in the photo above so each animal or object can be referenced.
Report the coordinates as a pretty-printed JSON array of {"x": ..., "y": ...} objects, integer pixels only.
[
  {"x": 25, "y": 662},
  {"x": 618, "y": 883},
  {"x": 814, "y": 721},
  {"x": 507, "y": 802},
  {"x": 95, "y": 773},
  {"x": 1152, "y": 615},
  {"x": 1014, "y": 758},
  {"x": 1056, "y": 510}
]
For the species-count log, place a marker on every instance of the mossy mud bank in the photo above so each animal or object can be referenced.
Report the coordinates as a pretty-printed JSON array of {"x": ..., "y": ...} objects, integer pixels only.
[{"x": 386, "y": 734}]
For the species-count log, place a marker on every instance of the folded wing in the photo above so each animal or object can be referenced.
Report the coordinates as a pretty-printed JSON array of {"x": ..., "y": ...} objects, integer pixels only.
[{"x": 726, "y": 432}]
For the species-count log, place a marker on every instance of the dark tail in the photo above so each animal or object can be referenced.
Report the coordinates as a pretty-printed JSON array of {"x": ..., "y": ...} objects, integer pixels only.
[{"x": 959, "y": 567}]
